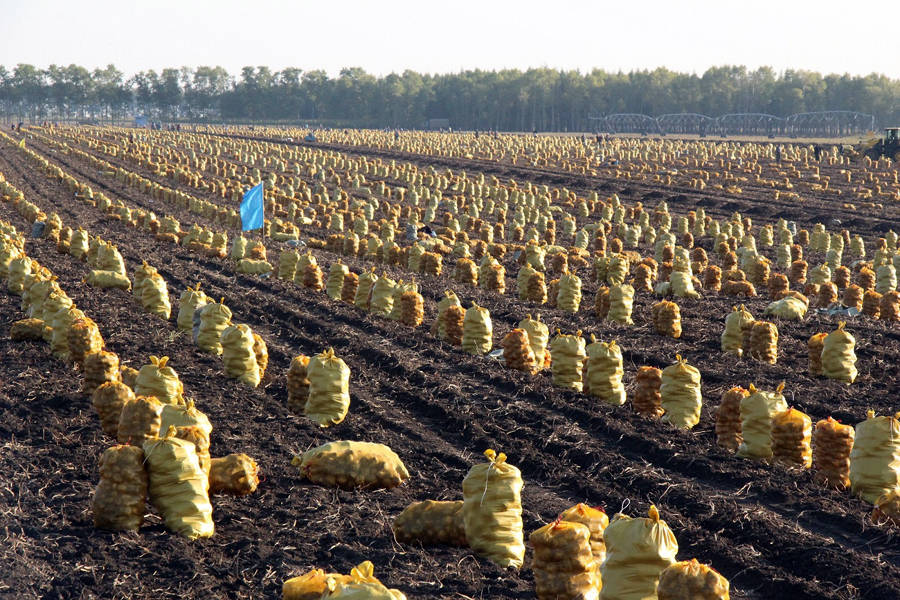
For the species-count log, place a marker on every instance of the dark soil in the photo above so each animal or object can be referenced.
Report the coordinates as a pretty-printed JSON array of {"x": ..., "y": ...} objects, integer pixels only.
[{"x": 772, "y": 531}]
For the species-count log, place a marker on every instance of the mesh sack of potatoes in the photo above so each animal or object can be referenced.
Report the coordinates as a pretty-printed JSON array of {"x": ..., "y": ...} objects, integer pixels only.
[
  {"x": 200, "y": 439},
  {"x": 364, "y": 290},
  {"x": 492, "y": 276},
  {"x": 728, "y": 419},
  {"x": 523, "y": 280},
  {"x": 238, "y": 248},
  {"x": 621, "y": 300},
  {"x": 603, "y": 372},
  {"x": 361, "y": 584},
  {"x": 764, "y": 342},
  {"x": 838, "y": 355},
  {"x": 682, "y": 285},
  {"x": 492, "y": 511},
  {"x": 178, "y": 486},
  {"x": 431, "y": 523},
  {"x": 690, "y": 580},
  {"x": 121, "y": 495},
  {"x": 465, "y": 272},
  {"x": 252, "y": 266},
  {"x": 99, "y": 368},
  {"x": 887, "y": 509},
  {"x": 538, "y": 337},
  {"x": 140, "y": 276},
  {"x": 814, "y": 350},
  {"x": 832, "y": 444},
  {"x": 871, "y": 304},
  {"x": 563, "y": 566},
  {"x": 298, "y": 384},
  {"x": 238, "y": 356},
  {"x": 454, "y": 319},
  {"x": 637, "y": 551},
  {"x": 108, "y": 279},
  {"x": 108, "y": 400},
  {"x": 84, "y": 338},
  {"x": 188, "y": 302},
  {"x": 349, "y": 287},
  {"x": 287, "y": 264},
  {"x": 680, "y": 395},
  {"x": 155, "y": 296},
  {"x": 517, "y": 352},
  {"x": 302, "y": 262},
  {"x": 56, "y": 303},
  {"x": 789, "y": 308},
  {"x": 160, "y": 380},
  {"x": 792, "y": 438},
  {"x": 139, "y": 420},
  {"x": 187, "y": 415},
  {"x": 19, "y": 268},
  {"x": 568, "y": 297},
  {"x": 383, "y": 296},
  {"x": 568, "y": 353},
  {"x": 596, "y": 521},
  {"x": 215, "y": 317},
  {"x": 647, "y": 398},
  {"x": 477, "y": 333},
  {"x": 60, "y": 324},
  {"x": 312, "y": 585},
  {"x": 235, "y": 474},
  {"x": 875, "y": 458},
  {"x": 335, "y": 283},
  {"x": 667, "y": 319},
  {"x": 26, "y": 329},
  {"x": 329, "y": 389},
  {"x": 412, "y": 307},
  {"x": 449, "y": 299},
  {"x": 261, "y": 350},
  {"x": 312, "y": 277},
  {"x": 757, "y": 411},
  {"x": 349, "y": 465}
]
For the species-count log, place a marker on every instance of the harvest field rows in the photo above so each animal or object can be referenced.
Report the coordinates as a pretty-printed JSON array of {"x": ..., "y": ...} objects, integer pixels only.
[{"x": 773, "y": 531}]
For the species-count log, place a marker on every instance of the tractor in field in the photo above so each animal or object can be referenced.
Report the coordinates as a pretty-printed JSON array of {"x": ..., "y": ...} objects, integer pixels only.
[{"x": 888, "y": 146}]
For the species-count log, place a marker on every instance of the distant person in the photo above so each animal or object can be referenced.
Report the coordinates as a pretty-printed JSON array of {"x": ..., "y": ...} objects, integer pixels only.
[
  {"x": 778, "y": 154},
  {"x": 818, "y": 151}
]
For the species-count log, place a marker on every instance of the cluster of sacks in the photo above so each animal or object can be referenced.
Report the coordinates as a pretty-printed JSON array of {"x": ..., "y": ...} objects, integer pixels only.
[
  {"x": 759, "y": 424},
  {"x": 580, "y": 555},
  {"x": 244, "y": 353},
  {"x": 162, "y": 452}
]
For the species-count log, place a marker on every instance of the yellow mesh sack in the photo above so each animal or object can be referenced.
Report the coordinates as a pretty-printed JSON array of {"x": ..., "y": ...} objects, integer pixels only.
[
  {"x": 757, "y": 411},
  {"x": 361, "y": 584},
  {"x": 188, "y": 302},
  {"x": 682, "y": 286},
  {"x": 60, "y": 324},
  {"x": 84, "y": 338},
  {"x": 287, "y": 264},
  {"x": 252, "y": 266},
  {"x": 838, "y": 355},
  {"x": 261, "y": 350},
  {"x": 689, "y": 580},
  {"x": 792, "y": 438},
  {"x": 637, "y": 551},
  {"x": 734, "y": 323},
  {"x": 312, "y": 585},
  {"x": 55, "y": 303},
  {"x": 349, "y": 465},
  {"x": 27, "y": 329},
  {"x": 364, "y": 289},
  {"x": 235, "y": 474},
  {"x": 160, "y": 380},
  {"x": 108, "y": 400},
  {"x": 178, "y": 486},
  {"x": 680, "y": 395},
  {"x": 477, "y": 335},
  {"x": 336, "y": 274},
  {"x": 121, "y": 495},
  {"x": 187, "y": 415},
  {"x": 596, "y": 521},
  {"x": 564, "y": 567},
  {"x": 604, "y": 372},
  {"x": 621, "y": 300},
  {"x": 568, "y": 298},
  {"x": 538, "y": 337},
  {"x": 383, "y": 296},
  {"x": 155, "y": 297},
  {"x": 99, "y": 368},
  {"x": 568, "y": 353},
  {"x": 238, "y": 356},
  {"x": 215, "y": 317},
  {"x": 492, "y": 511},
  {"x": 238, "y": 248},
  {"x": 139, "y": 420},
  {"x": 108, "y": 279},
  {"x": 790, "y": 308},
  {"x": 297, "y": 383},
  {"x": 875, "y": 458},
  {"x": 200, "y": 439},
  {"x": 449, "y": 299},
  {"x": 832, "y": 445},
  {"x": 302, "y": 262},
  {"x": 431, "y": 523},
  {"x": 329, "y": 389},
  {"x": 140, "y": 275}
]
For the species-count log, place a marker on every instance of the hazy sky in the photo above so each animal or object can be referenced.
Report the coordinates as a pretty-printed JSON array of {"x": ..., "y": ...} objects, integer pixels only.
[{"x": 439, "y": 37}]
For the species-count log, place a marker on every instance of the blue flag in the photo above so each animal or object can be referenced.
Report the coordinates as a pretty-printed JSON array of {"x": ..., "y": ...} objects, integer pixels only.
[{"x": 252, "y": 209}]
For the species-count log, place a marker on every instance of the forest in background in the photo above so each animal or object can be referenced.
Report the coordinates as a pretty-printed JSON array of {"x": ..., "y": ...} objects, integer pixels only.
[{"x": 504, "y": 100}]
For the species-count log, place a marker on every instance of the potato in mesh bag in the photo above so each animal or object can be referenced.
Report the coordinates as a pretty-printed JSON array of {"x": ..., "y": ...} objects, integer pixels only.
[
  {"x": 449, "y": 299},
  {"x": 349, "y": 465},
  {"x": 336, "y": 274},
  {"x": 621, "y": 301},
  {"x": 383, "y": 296},
  {"x": 637, "y": 551},
  {"x": 517, "y": 352},
  {"x": 27, "y": 329},
  {"x": 139, "y": 420},
  {"x": 235, "y": 474},
  {"x": 108, "y": 400},
  {"x": 431, "y": 523},
  {"x": 492, "y": 511},
  {"x": 84, "y": 338},
  {"x": 298, "y": 383},
  {"x": 689, "y": 580},
  {"x": 603, "y": 372},
  {"x": 361, "y": 584},
  {"x": 757, "y": 411},
  {"x": 568, "y": 354},
  {"x": 838, "y": 356},
  {"x": 477, "y": 334},
  {"x": 178, "y": 486},
  {"x": 329, "y": 389},
  {"x": 680, "y": 394},
  {"x": 121, "y": 496},
  {"x": 596, "y": 521},
  {"x": 99, "y": 368},
  {"x": 538, "y": 336},
  {"x": 734, "y": 323},
  {"x": 832, "y": 445},
  {"x": 875, "y": 458},
  {"x": 791, "y": 438},
  {"x": 200, "y": 439},
  {"x": 215, "y": 317},
  {"x": 160, "y": 380},
  {"x": 186, "y": 415},
  {"x": 261, "y": 350},
  {"x": 564, "y": 567},
  {"x": 238, "y": 356}
]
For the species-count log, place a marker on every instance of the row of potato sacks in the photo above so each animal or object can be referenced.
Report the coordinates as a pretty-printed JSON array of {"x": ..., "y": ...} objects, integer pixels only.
[
  {"x": 163, "y": 451},
  {"x": 580, "y": 555}
]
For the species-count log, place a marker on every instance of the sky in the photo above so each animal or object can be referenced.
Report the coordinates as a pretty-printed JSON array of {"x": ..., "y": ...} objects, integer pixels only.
[{"x": 384, "y": 36}]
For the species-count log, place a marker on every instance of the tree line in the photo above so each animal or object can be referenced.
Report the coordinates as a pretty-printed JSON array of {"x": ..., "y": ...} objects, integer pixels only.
[{"x": 505, "y": 100}]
